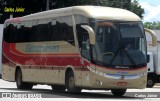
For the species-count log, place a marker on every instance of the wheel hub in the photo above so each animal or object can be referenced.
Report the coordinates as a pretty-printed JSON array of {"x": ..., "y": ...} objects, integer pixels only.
[
  {"x": 150, "y": 82},
  {"x": 71, "y": 82}
]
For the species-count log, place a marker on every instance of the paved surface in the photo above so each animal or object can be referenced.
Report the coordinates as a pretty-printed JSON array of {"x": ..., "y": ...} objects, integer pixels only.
[{"x": 45, "y": 91}]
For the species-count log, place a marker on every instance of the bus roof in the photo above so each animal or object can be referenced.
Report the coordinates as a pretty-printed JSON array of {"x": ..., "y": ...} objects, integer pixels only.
[{"x": 98, "y": 12}]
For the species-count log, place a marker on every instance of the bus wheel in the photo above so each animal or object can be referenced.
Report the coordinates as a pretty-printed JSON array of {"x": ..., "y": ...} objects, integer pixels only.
[
  {"x": 150, "y": 82},
  {"x": 118, "y": 92},
  {"x": 70, "y": 83},
  {"x": 20, "y": 84},
  {"x": 57, "y": 88}
]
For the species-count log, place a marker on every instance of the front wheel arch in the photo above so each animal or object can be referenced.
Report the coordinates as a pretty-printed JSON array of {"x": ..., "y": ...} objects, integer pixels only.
[{"x": 68, "y": 76}]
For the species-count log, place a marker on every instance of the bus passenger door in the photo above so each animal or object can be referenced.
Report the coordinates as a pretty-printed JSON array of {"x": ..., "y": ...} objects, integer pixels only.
[{"x": 84, "y": 46}]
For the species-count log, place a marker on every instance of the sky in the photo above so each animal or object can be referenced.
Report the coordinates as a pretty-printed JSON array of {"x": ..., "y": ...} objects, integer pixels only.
[{"x": 152, "y": 10}]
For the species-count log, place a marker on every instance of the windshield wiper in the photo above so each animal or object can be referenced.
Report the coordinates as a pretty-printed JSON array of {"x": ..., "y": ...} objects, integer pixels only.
[
  {"x": 130, "y": 58},
  {"x": 128, "y": 55},
  {"x": 115, "y": 56}
]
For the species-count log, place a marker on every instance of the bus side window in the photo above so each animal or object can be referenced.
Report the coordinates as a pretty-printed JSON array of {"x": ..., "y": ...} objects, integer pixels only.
[
  {"x": 66, "y": 32},
  {"x": 7, "y": 32}
]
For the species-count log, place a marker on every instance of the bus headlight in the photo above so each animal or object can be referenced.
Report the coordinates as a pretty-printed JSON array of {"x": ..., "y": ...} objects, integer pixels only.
[{"x": 142, "y": 74}]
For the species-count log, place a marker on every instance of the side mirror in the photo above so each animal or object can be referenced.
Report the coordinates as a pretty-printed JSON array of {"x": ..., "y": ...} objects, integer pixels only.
[
  {"x": 90, "y": 32},
  {"x": 148, "y": 58},
  {"x": 154, "y": 37}
]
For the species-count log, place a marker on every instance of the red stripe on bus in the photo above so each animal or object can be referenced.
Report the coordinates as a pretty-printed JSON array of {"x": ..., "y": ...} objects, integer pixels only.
[
  {"x": 43, "y": 67},
  {"x": 46, "y": 60}
]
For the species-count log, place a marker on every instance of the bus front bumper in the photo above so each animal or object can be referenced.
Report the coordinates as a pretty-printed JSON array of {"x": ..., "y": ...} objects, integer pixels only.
[{"x": 119, "y": 82}]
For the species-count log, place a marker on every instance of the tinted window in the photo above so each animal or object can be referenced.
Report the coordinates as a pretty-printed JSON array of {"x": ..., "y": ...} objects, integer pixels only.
[
  {"x": 66, "y": 32},
  {"x": 7, "y": 32},
  {"x": 41, "y": 30},
  {"x": 53, "y": 29}
]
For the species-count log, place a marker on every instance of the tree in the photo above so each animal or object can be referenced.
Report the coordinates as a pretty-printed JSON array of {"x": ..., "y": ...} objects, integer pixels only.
[
  {"x": 3, "y": 16},
  {"x": 112, "y": 3},
  {"x": 31, "y": 6},
  {"x": 152, "y": 25},
  {"x": 34, "y": 6},
  {"x": 136, "y": 8},
  {"x": 62, "y": 3},
  {"x": 133, "y": 6},
  {"x": 125, "y": 4}
]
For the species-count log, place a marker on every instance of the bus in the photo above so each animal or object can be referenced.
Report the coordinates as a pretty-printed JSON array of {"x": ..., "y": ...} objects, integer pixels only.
[{"x": 75, "y": 48}]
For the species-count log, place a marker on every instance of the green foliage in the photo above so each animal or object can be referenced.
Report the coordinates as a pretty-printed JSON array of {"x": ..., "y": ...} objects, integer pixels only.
[
  {"x": 136, "y": 8},
  {"x": 33, "y": 6},
  {"x": 125, "y": 4},
  {"x": 152, "y": 25},
  {"x": 62, "y": 3},
  {"x": 110, "y": 3}
]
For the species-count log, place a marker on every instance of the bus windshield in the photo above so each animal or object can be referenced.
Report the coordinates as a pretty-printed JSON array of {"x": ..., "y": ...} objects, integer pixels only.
[{"x": 119, "y": 44}]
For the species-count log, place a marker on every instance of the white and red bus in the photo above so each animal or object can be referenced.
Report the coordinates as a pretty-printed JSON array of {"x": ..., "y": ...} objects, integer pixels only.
[{"x": 75, "y": 48}]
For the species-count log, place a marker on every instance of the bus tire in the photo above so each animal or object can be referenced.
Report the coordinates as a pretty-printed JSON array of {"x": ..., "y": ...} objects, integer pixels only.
[
  {"x": 19, "y": 82},
  {"x": 118, "y": 92},
  {"x": 150, "y": 82},
  {"x": 58, "y": 88},
  {"x": 70, "y": 83}
]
